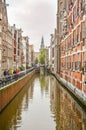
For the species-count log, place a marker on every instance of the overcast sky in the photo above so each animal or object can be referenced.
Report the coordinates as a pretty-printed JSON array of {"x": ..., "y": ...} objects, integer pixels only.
[{"x": 37, "y": 18}]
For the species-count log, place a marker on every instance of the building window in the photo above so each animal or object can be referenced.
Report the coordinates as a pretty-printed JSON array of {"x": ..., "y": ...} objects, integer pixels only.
[
  {"x": 74, "y": 13},
  {"x": 14, "y": 58},
  {"x": 69, "y": 62},
  {"x": 70, "y": 41},
  {"x": 77, "y": 7},
  {"x": 66, "y": 62},
  {"x": 0, "y": 40},
  {"x": 80, "y": 6},
  {"x": 66, "y": 44},
  {"x": 52, "y": 52},
  {"x": 52, "y": 61},
  {"x": 3, "y": 1},
  {"x": 75, "y": 37},
  {"x": 85, "y": 66},
  {"x": 78, "y": 65},
  {"x": 84, "y": 61},
  {"x": 78, "y": 33},
  {"x": 83, "y": 31},
  {"x": 0, "y": 28},
  {"x": 14, "y": 50},
  {"x": 73, "y": 63}
]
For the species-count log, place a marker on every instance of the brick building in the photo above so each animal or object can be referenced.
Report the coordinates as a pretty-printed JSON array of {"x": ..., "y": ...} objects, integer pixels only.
[
  {"x": 17, "y": 47},
  {"x": 5, "y": 39},
  {"x": 73, "y": 45},
  {"x": 11, "y": 44},
  {"x": 15, "y": 42},
  {"x": 10, "y": 48}
]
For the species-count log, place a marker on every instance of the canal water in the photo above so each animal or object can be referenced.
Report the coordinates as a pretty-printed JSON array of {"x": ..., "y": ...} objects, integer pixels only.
[{"x": 43, "y": 104}]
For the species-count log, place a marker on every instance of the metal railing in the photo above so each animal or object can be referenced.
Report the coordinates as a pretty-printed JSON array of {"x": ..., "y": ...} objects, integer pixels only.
[{"x": 12, "y": 78}]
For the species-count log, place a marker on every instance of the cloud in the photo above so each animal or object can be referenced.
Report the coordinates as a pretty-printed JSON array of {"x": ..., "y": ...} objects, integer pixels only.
[{"x": 35, "y": 17}]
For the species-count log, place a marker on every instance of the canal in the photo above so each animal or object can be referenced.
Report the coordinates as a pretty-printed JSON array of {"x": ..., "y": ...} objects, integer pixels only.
[{"x": 43, "y": 104}]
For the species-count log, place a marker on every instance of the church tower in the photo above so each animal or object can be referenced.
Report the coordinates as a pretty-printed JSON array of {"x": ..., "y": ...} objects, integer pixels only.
[{"x": 42, "y": 44}]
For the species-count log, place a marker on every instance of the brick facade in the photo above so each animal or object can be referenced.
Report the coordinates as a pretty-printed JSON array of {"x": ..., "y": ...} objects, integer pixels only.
[{"x": 73, "y": 45}]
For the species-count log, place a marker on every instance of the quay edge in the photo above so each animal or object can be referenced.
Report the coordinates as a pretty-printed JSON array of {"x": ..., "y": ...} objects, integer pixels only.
[
  {"x": 8, "y": 93},
  {"x": 74, "y": 91}
]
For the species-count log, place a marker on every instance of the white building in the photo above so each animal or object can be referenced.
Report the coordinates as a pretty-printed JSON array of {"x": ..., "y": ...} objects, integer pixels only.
[
  {"x": 31, "y": 55},
  {"x": 53, "y": 53},
  {"x": 24, "y": 52}
]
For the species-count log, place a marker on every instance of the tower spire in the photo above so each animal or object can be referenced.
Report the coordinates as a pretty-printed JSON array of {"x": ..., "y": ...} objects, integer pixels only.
[{"x": 42, "y": 44}]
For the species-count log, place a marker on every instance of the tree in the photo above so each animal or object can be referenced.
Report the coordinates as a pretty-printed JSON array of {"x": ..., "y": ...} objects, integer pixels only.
[
  {"x": 42, "y": 57},
  {"x": 36, "y": 60}
]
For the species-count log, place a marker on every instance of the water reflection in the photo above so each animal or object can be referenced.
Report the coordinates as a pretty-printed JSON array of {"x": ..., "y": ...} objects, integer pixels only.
[
  {"x": 68, "y": 114},
  {"x": 11, "y": 117},
  {"x": 44, "y": 84},
  {"x": 43, "y": 104}
]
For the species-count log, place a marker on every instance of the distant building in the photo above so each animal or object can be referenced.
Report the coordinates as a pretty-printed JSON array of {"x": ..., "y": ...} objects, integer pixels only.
[
  {"x": 49, "y": 62},
  {"x": 15, "y": 42},
  {"x": 47, "y": 56},
  {"x": 19, "y": 48},
  {"x": 25, "y": 52},
  {"x": 16, "y": 47},
  {"x": 37, "y": 56},
  {"x": 53, "y": 53},
  {"x": 31, "y": 55}
]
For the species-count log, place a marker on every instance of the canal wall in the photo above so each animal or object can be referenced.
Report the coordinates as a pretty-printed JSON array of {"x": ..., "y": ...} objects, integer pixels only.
[
  {"x": 7, "y": 93},
  {"x": 81, "y": 97}
]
